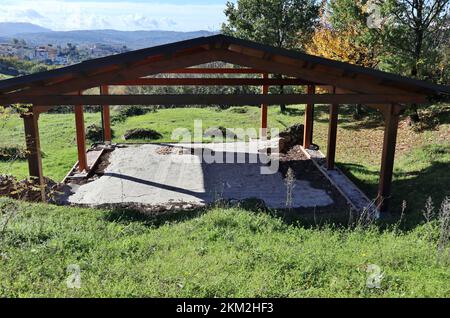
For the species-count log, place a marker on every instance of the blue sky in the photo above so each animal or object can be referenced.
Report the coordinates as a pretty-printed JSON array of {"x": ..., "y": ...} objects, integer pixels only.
[{"x": 127, "y": 15}]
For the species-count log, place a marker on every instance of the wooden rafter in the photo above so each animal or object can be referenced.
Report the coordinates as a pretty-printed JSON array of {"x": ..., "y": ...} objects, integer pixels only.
[
  {"x": 215, "y": 81},
  {"x": 312, "y": 66},
  {"x": 123, "y": 73},
  {"x": 214, "y": 70},
  {"x": 223, "y": 99},
  {"x": 295, "y": 68}
]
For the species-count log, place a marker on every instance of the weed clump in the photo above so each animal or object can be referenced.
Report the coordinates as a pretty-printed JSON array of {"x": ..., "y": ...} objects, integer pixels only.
[
  {"x": 12, "y": 152},
  {"x": 239, "y": 110},
  {"x": 27, "y": 189}
]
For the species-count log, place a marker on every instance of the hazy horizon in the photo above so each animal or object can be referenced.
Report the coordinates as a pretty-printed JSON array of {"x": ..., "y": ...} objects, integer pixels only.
[
  {"x": 120, "y": 15},
  {"x": 110, "y": 29}
]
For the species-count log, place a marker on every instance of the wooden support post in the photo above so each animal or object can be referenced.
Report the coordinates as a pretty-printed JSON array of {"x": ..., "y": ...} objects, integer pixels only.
[
  {"x": 309, "y": 120},
  {"x": 265, "y": 91},
  {"x": 34, "y": 149},
  {"x": 391, "y": 117},
  {"x": 104, "y": 90},
  {"x": 81, "y": 138},
  {"x": 332, "y": 133}
]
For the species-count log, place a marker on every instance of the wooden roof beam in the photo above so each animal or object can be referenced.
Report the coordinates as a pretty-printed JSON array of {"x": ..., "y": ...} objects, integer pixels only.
[
  {"x": 215, "y": 82},
  {"x": 112, "y": 77},
  {"x": 292, "y": 67},
  {"x": 222, "y": 99},
  {"x": 204, "y": 70}
]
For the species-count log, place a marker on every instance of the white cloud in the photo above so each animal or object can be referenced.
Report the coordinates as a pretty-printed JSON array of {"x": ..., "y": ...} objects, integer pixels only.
[
  {"x": 142, "y": 22},
  {"x": 23, "y": 15},
  {"x": 32, "y": 14},
  {"x": 125, "y": 15}
]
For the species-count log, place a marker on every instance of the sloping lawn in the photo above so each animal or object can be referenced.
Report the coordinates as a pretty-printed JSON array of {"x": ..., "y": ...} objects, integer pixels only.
[{"x": 219, "y": 253}]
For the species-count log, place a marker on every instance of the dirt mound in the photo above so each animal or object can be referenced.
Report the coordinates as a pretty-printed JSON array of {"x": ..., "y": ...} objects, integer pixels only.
[
  {"x": 27, "y": 189},
  {"x": 94, "y": 133},
  {"x": 141, "y": 133},
  {"x": 291, "y": 137}
]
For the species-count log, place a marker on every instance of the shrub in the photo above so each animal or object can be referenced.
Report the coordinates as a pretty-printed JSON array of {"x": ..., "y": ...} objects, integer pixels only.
[
  {"x": 129, "y": 111},
  {"x": 239, "y": 110}
]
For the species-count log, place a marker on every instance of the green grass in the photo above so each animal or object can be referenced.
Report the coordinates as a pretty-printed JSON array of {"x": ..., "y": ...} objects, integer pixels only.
[
  {"x": 218, "y": 253},
  {"x": 422, "y": 159},
  {"x": 228, "y": 252}
]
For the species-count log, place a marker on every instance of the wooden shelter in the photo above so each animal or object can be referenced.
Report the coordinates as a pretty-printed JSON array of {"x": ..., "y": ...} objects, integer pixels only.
[{"x": 342, "y": 83}]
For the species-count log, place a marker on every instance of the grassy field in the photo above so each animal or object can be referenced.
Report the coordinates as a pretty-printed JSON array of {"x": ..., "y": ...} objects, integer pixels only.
[
  {"x": 422, "y": 158},
  {"x": 230, "y": 252},
  {"x": 216, "y": 253}
]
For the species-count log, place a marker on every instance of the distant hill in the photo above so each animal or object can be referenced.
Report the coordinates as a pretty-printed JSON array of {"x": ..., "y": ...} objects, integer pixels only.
[
  {"x": 10, "y": 29},
  {"x": 132, "y": 39}
]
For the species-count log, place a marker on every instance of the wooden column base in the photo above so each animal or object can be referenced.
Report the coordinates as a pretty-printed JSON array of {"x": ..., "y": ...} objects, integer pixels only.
[
  {"x": 34, "y": 149},
  {"x": 81, "y": 139},
  {"x": 332, "y": 135},
  {"x": 309, "y": 120},
  {"x": 391, "y": 118},
  {"x": 104, "y": 90},
  {"x": 265, "y": 91}
]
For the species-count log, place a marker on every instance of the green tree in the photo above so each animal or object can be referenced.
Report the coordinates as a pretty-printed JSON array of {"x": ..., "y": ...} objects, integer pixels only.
[
  {"x": 354, "y": 20},
  {"x": 345, "y": 34},
  {"x": 416, "y": 39},
  {"x": 280, "y": 23}
]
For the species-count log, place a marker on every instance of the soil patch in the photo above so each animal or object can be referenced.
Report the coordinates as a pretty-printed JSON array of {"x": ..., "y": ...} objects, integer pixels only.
[
  {"x": 141, "y": 133},
  {"x": 28, "y": 189},
  {"x": 304, "y": 169}
]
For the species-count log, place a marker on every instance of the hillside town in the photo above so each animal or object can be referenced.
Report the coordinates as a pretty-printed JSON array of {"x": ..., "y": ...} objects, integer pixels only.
[{"x": 56, "y": 54}]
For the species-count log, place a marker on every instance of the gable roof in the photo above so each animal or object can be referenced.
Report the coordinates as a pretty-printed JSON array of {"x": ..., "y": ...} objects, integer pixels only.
[{"x": 233, "y": 50}]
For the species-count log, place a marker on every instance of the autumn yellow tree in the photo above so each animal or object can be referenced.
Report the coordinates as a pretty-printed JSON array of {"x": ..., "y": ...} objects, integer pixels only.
[
  {"x": 341, "y": 46},
  {"x": 344, "y": 35}
]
